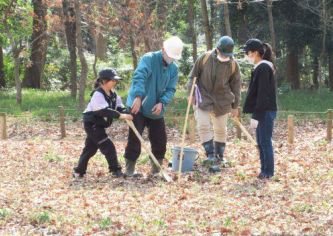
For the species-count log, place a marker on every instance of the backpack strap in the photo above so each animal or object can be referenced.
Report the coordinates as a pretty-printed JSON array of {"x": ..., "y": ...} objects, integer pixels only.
[
  {"x": 209, "y": 53},
  {"x": 205, "y": 59},
  {"x": 233, "y": 66}
]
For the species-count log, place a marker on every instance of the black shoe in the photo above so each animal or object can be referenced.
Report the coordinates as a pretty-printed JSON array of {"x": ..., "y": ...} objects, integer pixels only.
[
  {"x": 78, "y": 176},
  {"x": 117, "y": 174},
  {"x": 264, "y": 176},
  {"x": 135, "y": 175}
]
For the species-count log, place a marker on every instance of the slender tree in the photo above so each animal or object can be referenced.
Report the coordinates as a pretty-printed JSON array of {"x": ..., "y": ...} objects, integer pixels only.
[
  {"x": 192, "y": 29},
  {"x": 271, "y": 23},
  {"x": 79, "y": 43},
  {"x": 2, "y": 70},
  {"x": 226, "y": 18},
  {"x": 16, "y": 53},
  {"x": 209, "y": 43},
  {"x": 70, "y": 30}
]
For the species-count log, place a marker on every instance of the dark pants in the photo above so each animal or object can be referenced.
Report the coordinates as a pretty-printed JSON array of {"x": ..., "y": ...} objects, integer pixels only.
[
  {"x": 264, "y": 139},
  {"x": 97, "y": 139},
  {"x": 156, "y": 133}
]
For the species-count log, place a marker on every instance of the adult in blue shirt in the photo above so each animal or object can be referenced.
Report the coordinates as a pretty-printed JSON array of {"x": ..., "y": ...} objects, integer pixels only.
[{"x": 153, "y": 86}]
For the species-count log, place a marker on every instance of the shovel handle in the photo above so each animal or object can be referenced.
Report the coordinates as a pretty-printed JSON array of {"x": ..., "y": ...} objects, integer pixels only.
[
  {"x": 131, "y": 124},
  {"x": 248, "y": 135}
]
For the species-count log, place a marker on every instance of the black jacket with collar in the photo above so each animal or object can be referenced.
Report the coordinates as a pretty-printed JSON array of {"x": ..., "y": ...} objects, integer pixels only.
[
  {"x": 261, "y": 95},
  {"x": 104, "y": 117}
]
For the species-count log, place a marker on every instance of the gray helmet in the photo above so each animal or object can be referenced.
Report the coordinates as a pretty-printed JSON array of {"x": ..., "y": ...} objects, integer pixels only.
[{"x": 226, "y": 46}]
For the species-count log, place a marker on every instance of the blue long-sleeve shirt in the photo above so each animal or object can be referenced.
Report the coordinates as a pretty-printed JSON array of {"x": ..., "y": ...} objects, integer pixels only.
[{"x": 154, "y": 83}]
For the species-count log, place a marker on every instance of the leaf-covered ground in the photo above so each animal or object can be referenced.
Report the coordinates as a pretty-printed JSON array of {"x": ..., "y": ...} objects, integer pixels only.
[{"x": 39, "y": 197}]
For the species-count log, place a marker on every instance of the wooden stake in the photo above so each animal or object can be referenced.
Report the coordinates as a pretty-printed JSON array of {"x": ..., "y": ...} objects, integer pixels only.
[
  {"x": 3, "y": 126},
  {"x": 192, "y": 130},
  {"x": 184, "y": 130},
  {"x": 329, "y": 125},
  {"x": 291, "y": 129},
  {"x": 62, "y": 122},
  {"x": 239, "y": 130}
]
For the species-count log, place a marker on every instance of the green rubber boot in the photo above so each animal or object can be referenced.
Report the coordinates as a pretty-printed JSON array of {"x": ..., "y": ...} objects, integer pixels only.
[{"x": 154, "y": 169}]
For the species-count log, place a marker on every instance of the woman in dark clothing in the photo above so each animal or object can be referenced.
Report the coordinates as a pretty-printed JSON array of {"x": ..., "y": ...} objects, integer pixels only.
[
  {"x": 104, "y": 106},
  {"x": 261, "y": 101}
]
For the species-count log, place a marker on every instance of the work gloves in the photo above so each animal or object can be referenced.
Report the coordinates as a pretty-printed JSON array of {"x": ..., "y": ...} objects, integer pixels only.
[{"x": 254, "y": 124}]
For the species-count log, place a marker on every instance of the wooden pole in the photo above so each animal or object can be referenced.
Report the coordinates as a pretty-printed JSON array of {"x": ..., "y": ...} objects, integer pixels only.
[
  {"x": 192, "y": 130},
  {"x": 239, "y": 130},
  {"x": 3, "y": 126},
  {"x": 62, "y": 122},
  {"x": 162, "y": 172},
  {"x": 329, "y": 125},
  {"x": 184, "y": 130},
  {"x": 247, "y": 134},
  {"x": 291, "y": 129}
]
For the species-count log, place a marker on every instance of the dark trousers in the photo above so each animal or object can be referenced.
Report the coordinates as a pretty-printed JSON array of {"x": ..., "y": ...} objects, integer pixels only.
[
  {"x": 156, "y": 133},
  {"x": 97, "y": 139},
  {"x": 264, "y": 139}
]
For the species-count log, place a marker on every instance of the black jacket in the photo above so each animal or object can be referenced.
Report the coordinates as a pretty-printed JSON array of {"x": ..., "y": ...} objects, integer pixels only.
[
  {"x": 261, "y": 95},
  {"x": 104, "y": 117}
]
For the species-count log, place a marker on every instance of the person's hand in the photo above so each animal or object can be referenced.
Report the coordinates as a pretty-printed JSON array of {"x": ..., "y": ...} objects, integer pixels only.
[
  {"x": 193, "y": 100},
  {"x": 234, "y": 113},
  {"x": 254, "y": 124},
  {"x": 126, "y": 117},
  {"x": 157, "y": 109},
  {"x": 136, "y": 105}
]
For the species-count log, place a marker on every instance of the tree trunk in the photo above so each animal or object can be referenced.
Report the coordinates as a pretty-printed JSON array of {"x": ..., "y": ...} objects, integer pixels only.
[
  {"x": 209, "y": 43},
  {"x": 242, "y": 31},
  {"x": 32, "y": 77},
  {"x": 330, "y": 69},
  {"x": 192, "y": 30},
  {"x": 16, "y": 53},
  {"x": 271, "y": 23},
  {"x": 101, "y": 32},
  {"x": 212, "y": 19},
  {"x": 315, "y": 71},
  {"x": 70, "y": 29},
  {"x": 226, "y": 18},
  {"x": 134, "y": 56},
  {"x": 162, "y": 12},
  {"x": 292, "y": 68},
  {"x": 79, "y": 43},
  {"x": 2, "y": 70},
  {"x": 321, "y": 59},
  {"x": 149, "y": 39}
]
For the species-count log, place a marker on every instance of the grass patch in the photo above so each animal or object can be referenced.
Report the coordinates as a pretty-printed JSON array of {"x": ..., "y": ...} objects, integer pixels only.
[
  {"x": 40, "y": 218},
  {"x": 105, "y": 223},
  {"x": 4, "y": 213},
  {"x": 45, "y": 103}
]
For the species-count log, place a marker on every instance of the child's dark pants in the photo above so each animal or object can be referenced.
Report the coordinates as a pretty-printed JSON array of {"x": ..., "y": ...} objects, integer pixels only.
[{"x": 97, "y": 139}]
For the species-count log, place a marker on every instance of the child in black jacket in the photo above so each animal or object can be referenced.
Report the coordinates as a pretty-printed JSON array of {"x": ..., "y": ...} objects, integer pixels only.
[
  {"x": 261, "y": 101},
  {"x": 104, "y": 106}
]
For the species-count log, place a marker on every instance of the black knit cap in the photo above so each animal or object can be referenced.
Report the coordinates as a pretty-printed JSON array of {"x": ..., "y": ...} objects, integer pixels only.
[
  {"x": 253, "y": 45},
  {"x": 108, "y": 73}
]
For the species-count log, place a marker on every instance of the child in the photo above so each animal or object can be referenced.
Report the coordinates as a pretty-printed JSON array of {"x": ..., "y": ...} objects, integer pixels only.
[
  {"x": 104, "y": 105},
  {"x": 261, "y": 101}
]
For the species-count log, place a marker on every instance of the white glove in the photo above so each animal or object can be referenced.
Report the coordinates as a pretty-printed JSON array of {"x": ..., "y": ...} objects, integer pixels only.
[{"x": 254, "y": 124}]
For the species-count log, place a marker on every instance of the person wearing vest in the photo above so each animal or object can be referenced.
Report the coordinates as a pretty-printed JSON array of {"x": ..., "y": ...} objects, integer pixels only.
[
  {"x": 104, "y": 106},
  {"x": 219, "y": 84},
  {"x": 153, "y": 86},
  {"x": 261, "y": 101}
]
